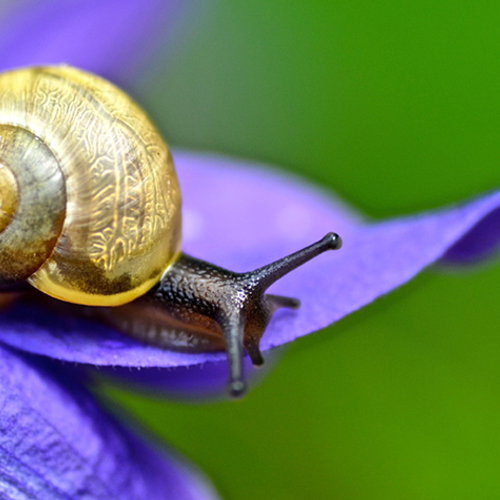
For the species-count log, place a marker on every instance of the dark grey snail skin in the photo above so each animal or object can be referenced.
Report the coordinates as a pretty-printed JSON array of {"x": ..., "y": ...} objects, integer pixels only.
[{"x": 199, "y": 307}]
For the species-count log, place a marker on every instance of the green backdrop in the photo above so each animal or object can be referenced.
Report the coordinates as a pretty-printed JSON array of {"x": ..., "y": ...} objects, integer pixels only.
[{"x": 395, "y": 106}]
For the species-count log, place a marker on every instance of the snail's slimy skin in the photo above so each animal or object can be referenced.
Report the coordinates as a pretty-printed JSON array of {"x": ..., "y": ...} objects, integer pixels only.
[
  {"x": 90, "y": 214},
  {"x": 121, "y": 213}
]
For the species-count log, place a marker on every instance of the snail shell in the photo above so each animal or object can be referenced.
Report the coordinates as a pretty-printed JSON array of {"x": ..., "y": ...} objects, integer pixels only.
[{"x": 89, "y": 199}]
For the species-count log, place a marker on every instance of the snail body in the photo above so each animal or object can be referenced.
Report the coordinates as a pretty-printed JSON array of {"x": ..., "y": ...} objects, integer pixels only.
[{"x": 90, "y": 213}]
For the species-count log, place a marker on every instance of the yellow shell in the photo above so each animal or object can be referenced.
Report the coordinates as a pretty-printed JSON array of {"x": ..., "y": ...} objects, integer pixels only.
[{"x": 121, "y": 224}]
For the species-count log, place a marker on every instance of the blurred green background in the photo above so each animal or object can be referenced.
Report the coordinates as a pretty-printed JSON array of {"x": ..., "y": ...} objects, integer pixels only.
[{"x": 395, "y": 106}]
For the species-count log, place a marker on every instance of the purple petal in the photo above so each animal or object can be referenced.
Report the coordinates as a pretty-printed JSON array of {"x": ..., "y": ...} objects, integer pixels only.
[
  {"x": 207, "y": 381},
  {"x": 108, "y": 37},
  {"x": 55, "y": 442},
  {"x": 478, "y": 244},
  {"x": 241, "y": 217}
]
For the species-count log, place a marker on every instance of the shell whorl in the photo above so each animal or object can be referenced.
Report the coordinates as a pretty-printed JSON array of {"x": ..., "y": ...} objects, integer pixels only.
[
  {"x": 33, "y": 203},
  {"x": 121, "y": 215}
]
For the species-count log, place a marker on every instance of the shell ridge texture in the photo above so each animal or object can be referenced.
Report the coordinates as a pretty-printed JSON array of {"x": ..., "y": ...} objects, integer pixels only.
[{"x": 120, "y": 228}]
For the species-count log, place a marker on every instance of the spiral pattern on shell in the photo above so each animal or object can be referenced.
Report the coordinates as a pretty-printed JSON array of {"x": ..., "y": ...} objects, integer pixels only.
[{"x": 89, "y": 198}]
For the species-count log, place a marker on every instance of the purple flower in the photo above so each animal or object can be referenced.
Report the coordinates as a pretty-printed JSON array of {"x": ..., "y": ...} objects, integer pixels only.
[{"x": 56, "y": 443}]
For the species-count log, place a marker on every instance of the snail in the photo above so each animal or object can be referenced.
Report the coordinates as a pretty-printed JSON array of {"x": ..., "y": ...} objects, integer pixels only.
[{"x": 90, "y": 214}]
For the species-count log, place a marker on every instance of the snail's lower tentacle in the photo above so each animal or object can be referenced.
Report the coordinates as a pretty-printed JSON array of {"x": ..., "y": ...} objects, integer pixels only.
[
  {"x": 278, "y": 301},
  {"x": 233, "y": 328}
]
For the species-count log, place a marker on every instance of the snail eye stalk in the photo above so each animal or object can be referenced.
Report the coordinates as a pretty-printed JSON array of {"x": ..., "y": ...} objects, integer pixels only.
[{"x": 226, "y": 309}]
